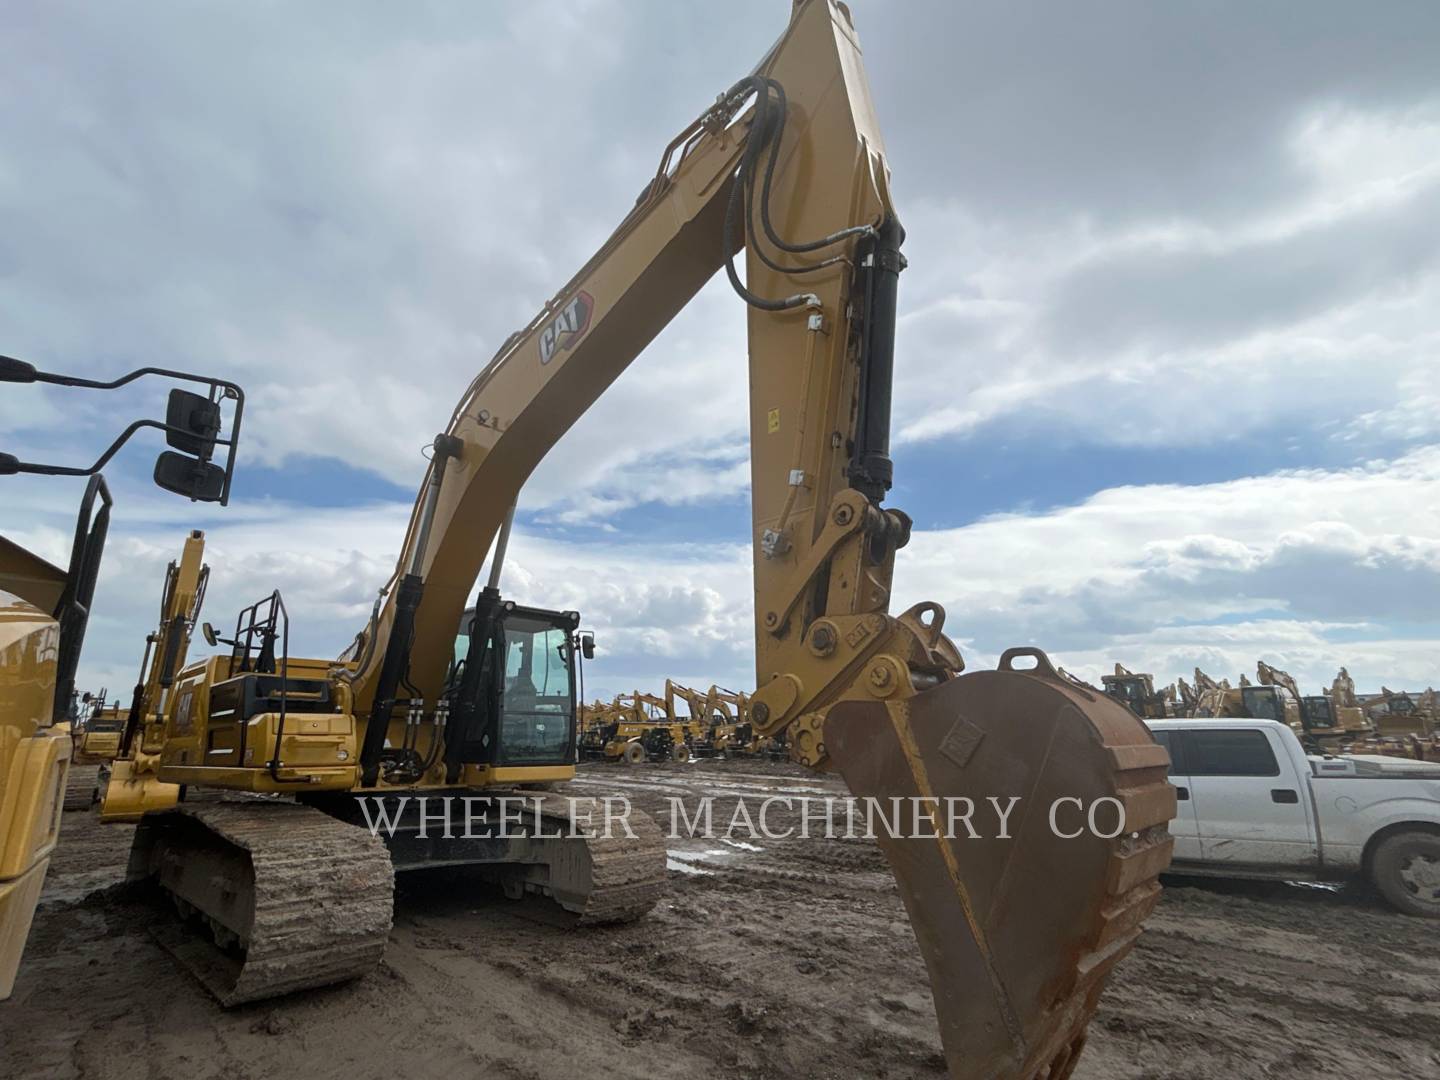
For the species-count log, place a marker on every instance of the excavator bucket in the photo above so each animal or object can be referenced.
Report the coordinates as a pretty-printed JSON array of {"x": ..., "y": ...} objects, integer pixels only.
[{"x": 1020, "y": 924}]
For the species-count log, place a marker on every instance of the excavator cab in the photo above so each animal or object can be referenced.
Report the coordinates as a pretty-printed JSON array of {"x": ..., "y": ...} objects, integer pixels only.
[
  {"x": 1263, "y": 703},
  {"x": 1316, "y": 714},
  {"x": 1136, "y": 692},
  {"x": 511, "y": 690}
]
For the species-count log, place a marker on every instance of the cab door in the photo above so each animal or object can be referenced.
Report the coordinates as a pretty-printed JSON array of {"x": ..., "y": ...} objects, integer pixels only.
[
  {"x": 1247, "y": 803},
  {"x": 1184, "y": 828}
]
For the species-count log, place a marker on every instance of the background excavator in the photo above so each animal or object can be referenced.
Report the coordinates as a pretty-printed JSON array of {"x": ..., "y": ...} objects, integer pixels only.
[
  {"x": 1018, "y": 934},
  {"x": 1137, "y": 691},
  {"x": 637, "y": 727},
  {"x": 44, "y": 612},
  {"x": 142, "y": 731},
  {"x": 1323, "y": 721},
  {"x": 733, "y": 734}
]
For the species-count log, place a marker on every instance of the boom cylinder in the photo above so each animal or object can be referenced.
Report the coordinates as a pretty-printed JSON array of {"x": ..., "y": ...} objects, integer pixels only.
[
  {"x": 871, "y": 470},
  {"x": 394, "y": 666},
  {"x": 502, "y": 542}
]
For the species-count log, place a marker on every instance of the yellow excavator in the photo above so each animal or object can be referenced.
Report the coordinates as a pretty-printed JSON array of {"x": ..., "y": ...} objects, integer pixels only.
[
  {"x": 94, "y": 738},
  {"x": 1137, "y": 692},
  {"x": 713, "y": 726},
  {"x": 1018, "y": 933},
  {"x": 142, "y": 732},
  {"x": 732, "y": 732},
  {"x": 44, "y": 612},
  {"x": 1323, "y": 721},
  {"x": 635, "y": 728}
]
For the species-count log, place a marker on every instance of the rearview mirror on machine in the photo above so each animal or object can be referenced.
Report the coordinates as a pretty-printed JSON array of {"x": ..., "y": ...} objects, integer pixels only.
[
  {"x": 192, "y": 423},
  {"x": 193, "y": 428},
  {"x": 198, "y": 480}
]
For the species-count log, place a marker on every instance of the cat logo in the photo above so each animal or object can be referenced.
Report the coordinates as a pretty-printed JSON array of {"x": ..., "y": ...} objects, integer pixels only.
[{"x": 566, "y": 328}]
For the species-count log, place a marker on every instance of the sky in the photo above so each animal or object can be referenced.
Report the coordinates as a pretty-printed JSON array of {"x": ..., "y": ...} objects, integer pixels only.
[{"x": 1167, "y": 389}]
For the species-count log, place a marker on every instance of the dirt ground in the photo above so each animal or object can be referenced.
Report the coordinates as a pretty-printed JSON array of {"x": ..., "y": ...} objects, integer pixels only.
[{"x": 793, "y": 960}]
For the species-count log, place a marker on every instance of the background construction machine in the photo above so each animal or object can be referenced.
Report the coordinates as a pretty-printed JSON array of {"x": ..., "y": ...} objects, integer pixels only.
[
  {"x": 292, "y": 894},
  {"x": 44, "y": 612},
  {"x": 130, "y": 782},
  {"x": 94, "y": 739},
  {"x": 1404, "y": 724},
  {"x": 634, "y": 728},
  {"x": 1138, "y": 693},
  {"x": 1326, "y": 721}
]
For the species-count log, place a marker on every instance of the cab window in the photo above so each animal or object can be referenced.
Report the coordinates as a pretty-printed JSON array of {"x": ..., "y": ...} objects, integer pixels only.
[
  {"x": 1172, "y": 747},
  {"x": 1229, "y": 753},
  {"x": 537, "y": 702}
]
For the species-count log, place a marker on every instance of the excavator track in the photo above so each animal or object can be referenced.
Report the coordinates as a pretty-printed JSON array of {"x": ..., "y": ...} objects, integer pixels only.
[
  {"x": 278, "y": 897},
  {"x": 81, "y": 783},
  {"x": 620, "y": 877},
  {"x": 1019, "y": 931},
  {"x": 291, "y": 897},
  {"x": 560, "y": 847}
]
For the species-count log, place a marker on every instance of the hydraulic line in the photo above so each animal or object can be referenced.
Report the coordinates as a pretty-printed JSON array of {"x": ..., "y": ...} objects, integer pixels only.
[
  {"x": 765, "y": 134},
  {"x": 812, "y": 245}
]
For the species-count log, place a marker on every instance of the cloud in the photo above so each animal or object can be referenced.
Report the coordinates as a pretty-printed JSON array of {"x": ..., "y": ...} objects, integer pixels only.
[
  {"x": 1194, "y": 330},
  {"x": 1340, "y": 556},
  {"x": 1121, "y": 220}
]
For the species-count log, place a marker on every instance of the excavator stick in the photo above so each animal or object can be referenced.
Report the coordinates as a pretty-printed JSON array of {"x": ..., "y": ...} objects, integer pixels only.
[{"x": 1019, "y": 925}]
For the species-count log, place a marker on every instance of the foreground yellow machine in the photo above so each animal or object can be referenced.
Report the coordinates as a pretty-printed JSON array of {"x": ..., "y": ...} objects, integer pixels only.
[
  {"x": 44, "y": 611},
  {"x": 1018, "y": 933}
]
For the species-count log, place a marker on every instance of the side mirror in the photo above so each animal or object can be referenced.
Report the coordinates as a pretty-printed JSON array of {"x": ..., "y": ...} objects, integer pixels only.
[
  {"x": 193, "y": 428},
  {"x": 587, "y": 646},
  {"x": 211, "y": 638},
  {"x": 188, "y": 476},
  {"x": 198, "y": 419},
  {"x": 192, "y": 424}
]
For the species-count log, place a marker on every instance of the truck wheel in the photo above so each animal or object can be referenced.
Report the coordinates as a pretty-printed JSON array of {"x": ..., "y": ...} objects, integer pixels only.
[
  {"x": 1406, "y": 870},
  {"x": 634, "y": 753},
  {"x": 681, "y": 752}
]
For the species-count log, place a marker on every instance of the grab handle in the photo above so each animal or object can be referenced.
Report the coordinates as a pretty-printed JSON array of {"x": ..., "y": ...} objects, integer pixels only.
[{"x": 1042, "y": 662}]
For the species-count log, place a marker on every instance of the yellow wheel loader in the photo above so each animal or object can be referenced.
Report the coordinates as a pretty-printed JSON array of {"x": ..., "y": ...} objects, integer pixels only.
[
  {"x": 44, "y": 611},
  {"x": 1018, "y": 934}
]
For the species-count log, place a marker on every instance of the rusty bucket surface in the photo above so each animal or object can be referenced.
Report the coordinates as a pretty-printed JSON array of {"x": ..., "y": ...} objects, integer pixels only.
[{"x": 1019, "y": 926}]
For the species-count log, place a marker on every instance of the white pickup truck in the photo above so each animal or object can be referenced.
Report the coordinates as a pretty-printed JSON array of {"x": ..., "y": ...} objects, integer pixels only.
[{"x": 1253, "y": 803}]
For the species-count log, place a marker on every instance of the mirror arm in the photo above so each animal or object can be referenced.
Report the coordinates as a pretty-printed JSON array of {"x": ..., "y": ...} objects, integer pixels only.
[
  {"x": 233, "y": 389},
  {"x": 9, "y": 464},
  {"x": 18, "y": 371}
]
